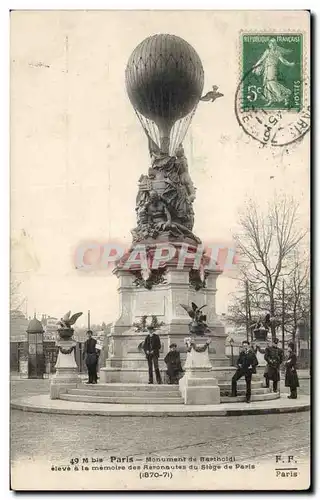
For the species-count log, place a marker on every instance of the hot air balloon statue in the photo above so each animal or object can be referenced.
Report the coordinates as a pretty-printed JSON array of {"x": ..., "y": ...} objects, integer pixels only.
[{"x": 164, "y": 81}]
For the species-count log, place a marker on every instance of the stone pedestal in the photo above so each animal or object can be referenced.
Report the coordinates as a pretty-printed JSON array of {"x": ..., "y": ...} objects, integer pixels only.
[
  {"x": 125, "y": 362},
  {"x": 67, "y": 372},
  {"x": 260, "y": 357},
  {"x": 199, "y": 386}
]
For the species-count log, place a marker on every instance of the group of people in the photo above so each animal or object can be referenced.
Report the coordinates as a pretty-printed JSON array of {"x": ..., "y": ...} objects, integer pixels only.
[
  {"x": 151, "y": 347},
  {"x": 247, "y": 364},
  {"x": 274, "y": 357}
]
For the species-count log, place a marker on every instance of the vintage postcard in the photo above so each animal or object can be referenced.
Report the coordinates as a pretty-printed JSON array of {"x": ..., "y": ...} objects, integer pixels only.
[{"x": 160, "y": 288}]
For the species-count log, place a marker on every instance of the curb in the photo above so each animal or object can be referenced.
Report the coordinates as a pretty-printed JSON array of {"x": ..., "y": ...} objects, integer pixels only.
[{"x": 35, "y": 405}]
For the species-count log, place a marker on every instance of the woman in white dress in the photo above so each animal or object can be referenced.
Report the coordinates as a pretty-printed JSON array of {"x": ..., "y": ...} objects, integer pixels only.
[{"x": 273, "y": 90}]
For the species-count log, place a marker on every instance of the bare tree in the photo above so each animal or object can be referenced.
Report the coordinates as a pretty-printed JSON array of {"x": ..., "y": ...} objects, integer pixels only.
[
  {"x": 237, "y": 308},
  {"x": 297, "y": 293},
  {"x": 266, "y": 242}
]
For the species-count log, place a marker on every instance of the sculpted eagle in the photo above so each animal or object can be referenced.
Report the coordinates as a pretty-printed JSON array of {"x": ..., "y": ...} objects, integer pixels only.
[
  {"x": 67, "y": 322},
  {"x": 195, "y": 312},
  {"x": 198, "y": 324}
]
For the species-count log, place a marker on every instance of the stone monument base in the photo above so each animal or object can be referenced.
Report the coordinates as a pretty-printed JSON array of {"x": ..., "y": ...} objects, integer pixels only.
[
  {"x": 125, "y": 361},
  {"x": 67, "y": 372},
  {"x": 199, "y": 386}
]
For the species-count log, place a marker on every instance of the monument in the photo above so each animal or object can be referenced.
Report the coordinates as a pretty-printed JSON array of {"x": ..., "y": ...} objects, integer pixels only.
[
  {"x": 166, "y": 265},
  {"x": 67, "y": 372}
]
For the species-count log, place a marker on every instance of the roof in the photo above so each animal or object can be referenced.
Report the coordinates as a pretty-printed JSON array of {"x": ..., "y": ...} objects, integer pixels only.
[{"x": 35, "y": 326}]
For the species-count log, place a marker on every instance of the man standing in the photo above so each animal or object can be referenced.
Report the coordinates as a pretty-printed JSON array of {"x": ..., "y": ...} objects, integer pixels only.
[
  {"x": 151, "y": 347},
  {"x": 246, "y": 366},
  {"x": 91, "y": 355},
  {"x": 274, "y": 358},
  {"x": 266, "y": 370},
  {"x": 291, "y": 379}
]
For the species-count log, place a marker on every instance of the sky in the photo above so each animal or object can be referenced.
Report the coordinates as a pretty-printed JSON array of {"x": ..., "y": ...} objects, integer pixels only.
[{"x": 78, "y": 150}]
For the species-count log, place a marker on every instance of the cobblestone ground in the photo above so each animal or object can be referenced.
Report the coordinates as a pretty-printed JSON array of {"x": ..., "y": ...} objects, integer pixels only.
[{"x": 61, "y": 437}]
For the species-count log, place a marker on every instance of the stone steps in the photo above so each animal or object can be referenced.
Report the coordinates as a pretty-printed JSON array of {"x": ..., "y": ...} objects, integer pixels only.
[
  {"x": 225, "y": 362},
  {"x": 131, "y": 361},
  {"x": 254, "y": 397},
  {"x": 143, "y": 400},
  {"x": 112, "y": 393},
  {"x": 162, "y": 388},
  {"x": 242, "y": 390},
  {"x": 226, "y": 384},
  {"x": 146, "y": 394},
  {"x": 125, "y": 393}
]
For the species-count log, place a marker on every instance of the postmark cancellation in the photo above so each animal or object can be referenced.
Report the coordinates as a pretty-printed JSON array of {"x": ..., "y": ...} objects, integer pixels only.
[{"x": 272, "y": 102}]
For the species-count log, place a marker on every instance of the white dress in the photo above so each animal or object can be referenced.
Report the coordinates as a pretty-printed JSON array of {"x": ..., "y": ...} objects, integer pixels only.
[{"x": 273, "y": 90}]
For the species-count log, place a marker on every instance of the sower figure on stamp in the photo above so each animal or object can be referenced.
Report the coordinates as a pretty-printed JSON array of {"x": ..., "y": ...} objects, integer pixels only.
[
  {"x": 151, "y": 347},
  {"x": 291, "y": 379},
  {"x": 274, "y": 358},
  {"x": 173, "y": 362},
  {"x": 91, "y": 355},
  {"x": 246, "y": 366}
]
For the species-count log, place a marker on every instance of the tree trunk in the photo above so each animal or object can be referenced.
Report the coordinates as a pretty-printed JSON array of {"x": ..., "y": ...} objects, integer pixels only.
[
  {"x": 272, "y": 314},
  {"x": 294, "y": 332}
]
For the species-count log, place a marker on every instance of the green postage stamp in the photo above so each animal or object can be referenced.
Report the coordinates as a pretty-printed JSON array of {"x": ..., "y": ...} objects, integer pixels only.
[{"x": 272, "y": 71}]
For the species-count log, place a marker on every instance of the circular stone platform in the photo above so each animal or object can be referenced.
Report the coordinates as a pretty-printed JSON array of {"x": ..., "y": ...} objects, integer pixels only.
[{"x": 43, "y": 404}]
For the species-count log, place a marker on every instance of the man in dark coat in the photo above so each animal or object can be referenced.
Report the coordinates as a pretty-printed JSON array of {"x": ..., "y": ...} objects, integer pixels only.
[
  {"x": 274, "y": 358},
  {"x": 151, "y": 347},
  {"x": 173, "y": 362},
  {"x": 246, "y": 366},
  {"x": 266, "y": 376},
  {"x": 91, "y": 355},
  {"x": 291, "y": 378}
]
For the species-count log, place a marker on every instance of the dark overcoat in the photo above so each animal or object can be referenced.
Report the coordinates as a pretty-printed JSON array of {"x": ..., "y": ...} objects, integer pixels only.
[
  {"x": 291, "y": 378},
  {"x": 90, "y": 352},
  {"x": 173, "y": 362},
  {"x": 274, "y": 358}
]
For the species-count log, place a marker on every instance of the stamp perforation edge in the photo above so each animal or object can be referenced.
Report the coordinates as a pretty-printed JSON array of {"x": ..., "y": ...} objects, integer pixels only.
[{"x": 304, "y": 59}]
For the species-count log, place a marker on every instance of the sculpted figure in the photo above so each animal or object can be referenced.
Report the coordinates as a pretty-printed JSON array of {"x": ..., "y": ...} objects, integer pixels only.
[
  {"x": 165, "y": 197},
  {"x": 198, "y": 325},
  {"x": 157, "y": 212},
  {"x": 186, "y": 191},
  {"x": 66, "y": 322}
]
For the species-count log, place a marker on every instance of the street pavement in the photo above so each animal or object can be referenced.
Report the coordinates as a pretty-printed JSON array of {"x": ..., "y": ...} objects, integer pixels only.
[{"x": 61, "y": 437}]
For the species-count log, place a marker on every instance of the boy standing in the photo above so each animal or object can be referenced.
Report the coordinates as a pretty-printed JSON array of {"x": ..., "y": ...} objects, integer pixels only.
[{"x": 173, "y": 362}]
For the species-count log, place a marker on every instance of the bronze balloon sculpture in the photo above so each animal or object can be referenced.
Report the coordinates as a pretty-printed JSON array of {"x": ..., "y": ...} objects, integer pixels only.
[{"x": 164, "y": 80}]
